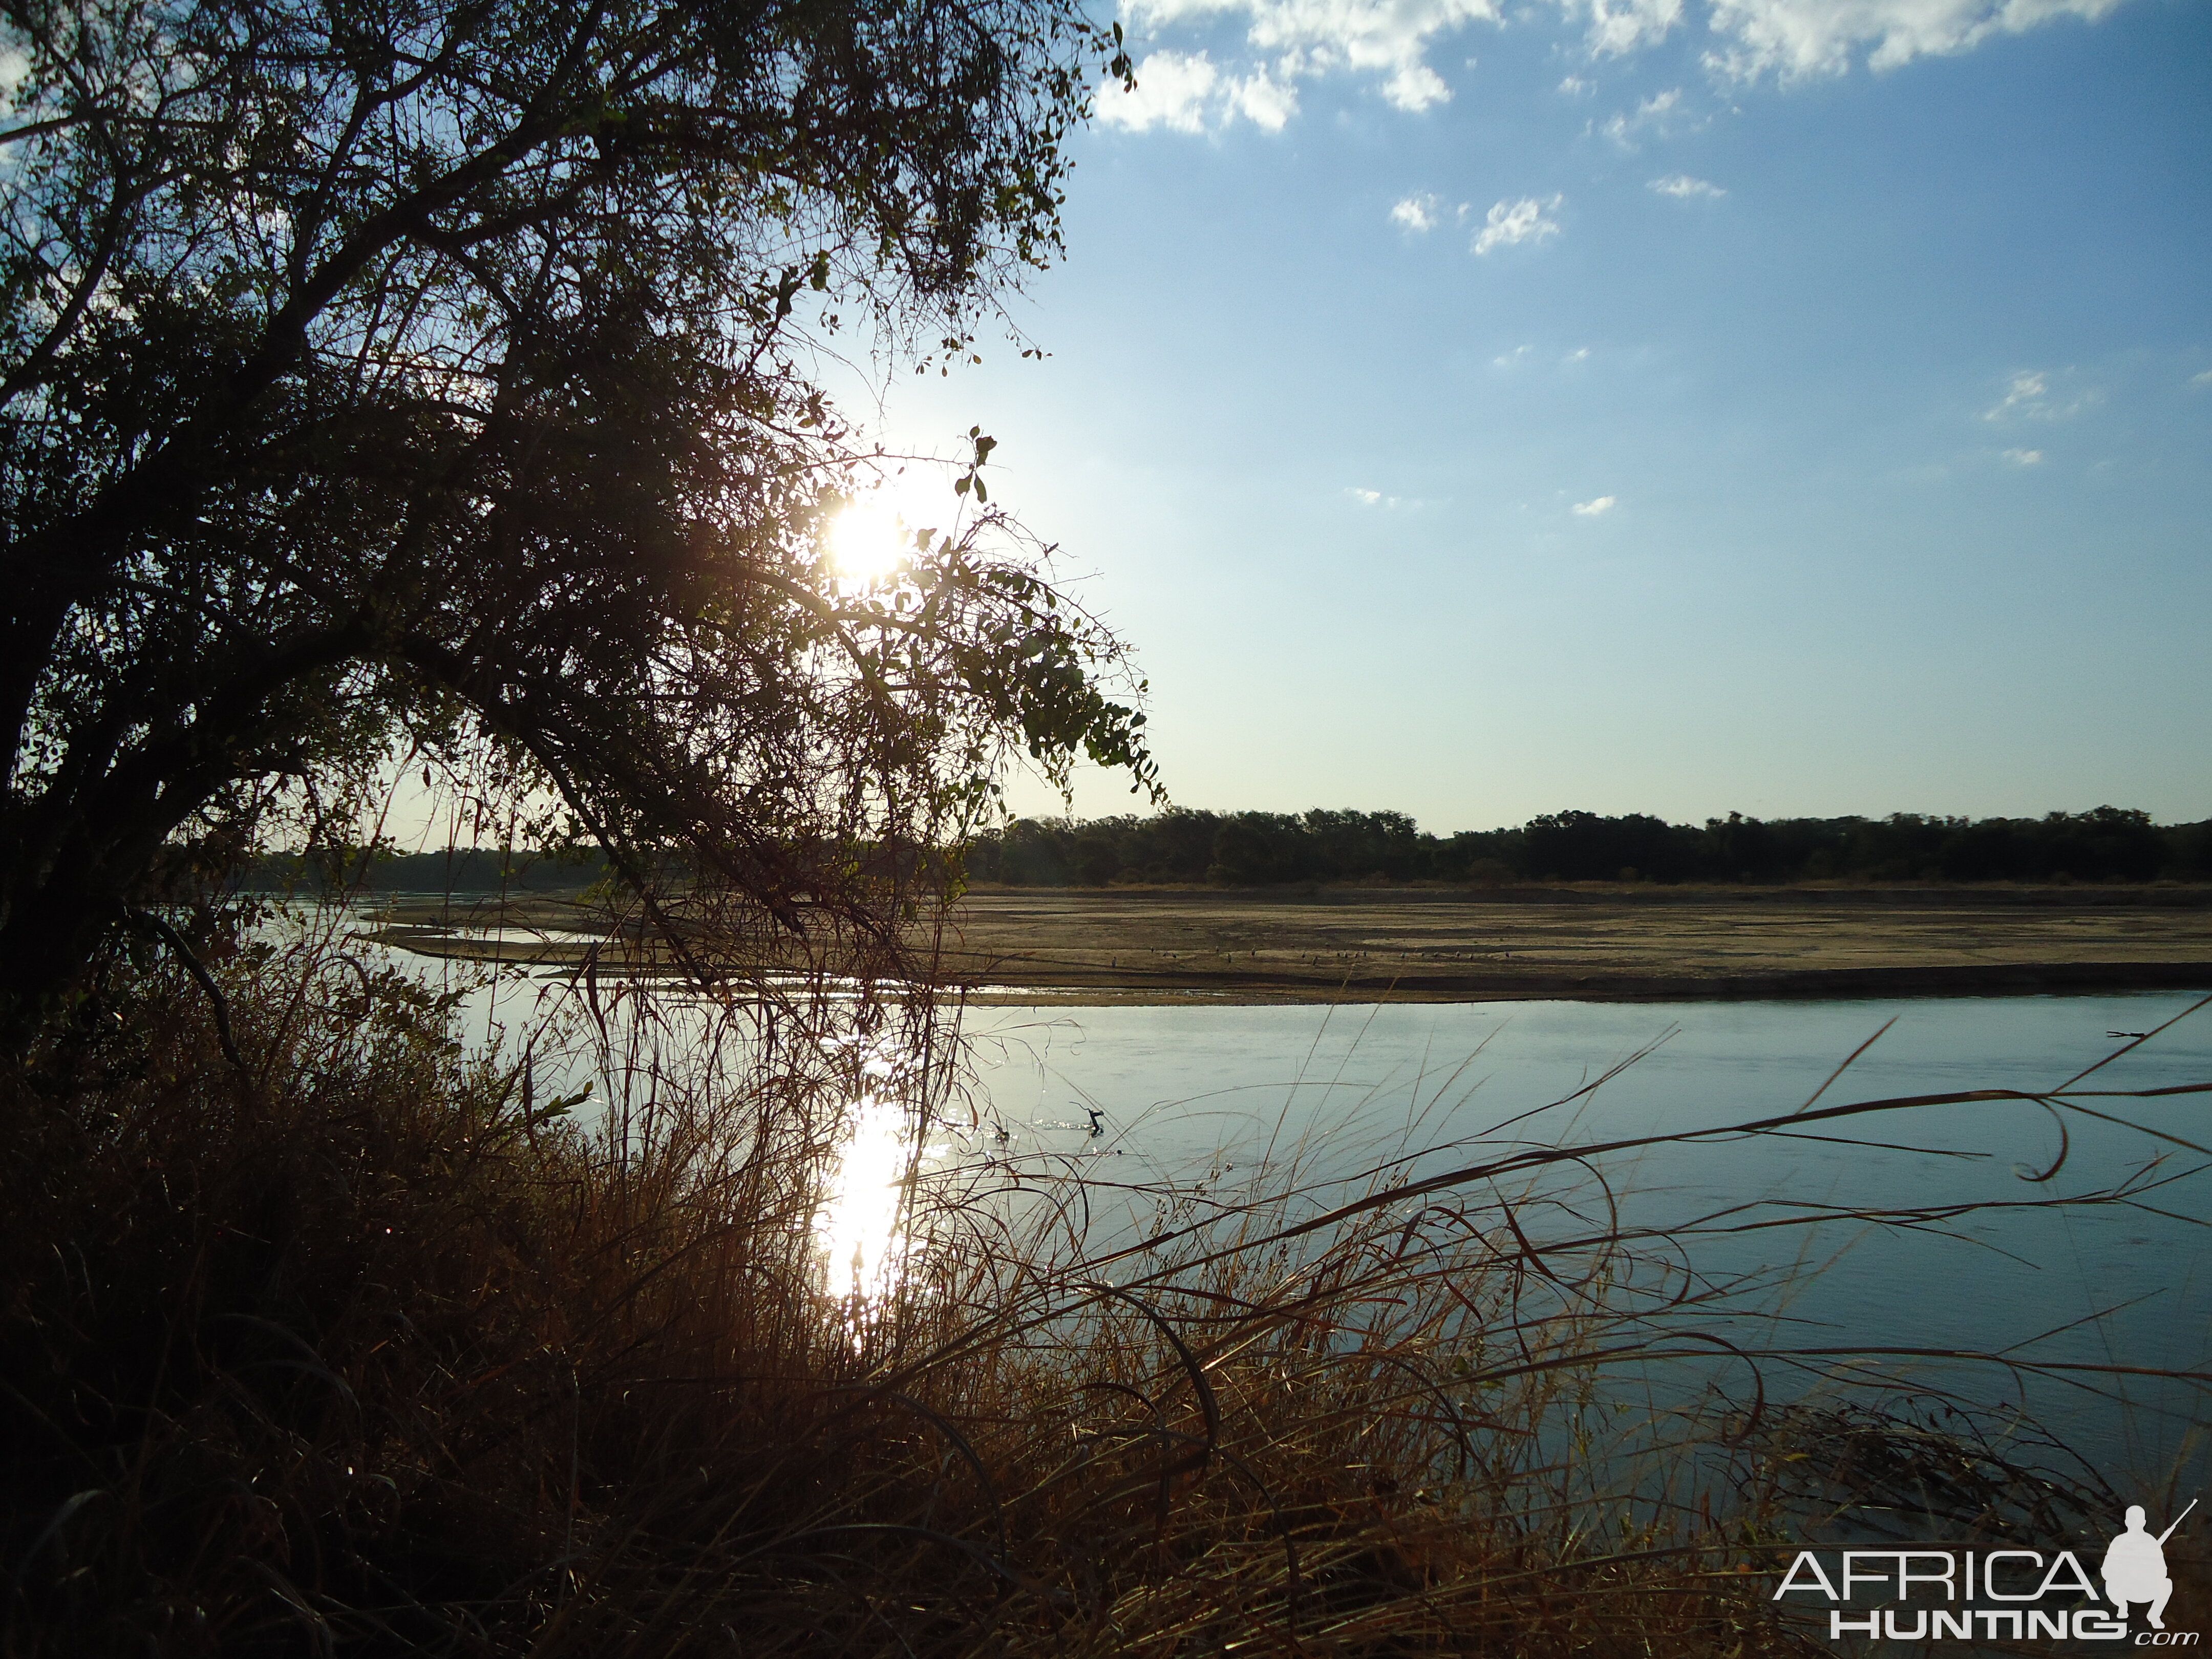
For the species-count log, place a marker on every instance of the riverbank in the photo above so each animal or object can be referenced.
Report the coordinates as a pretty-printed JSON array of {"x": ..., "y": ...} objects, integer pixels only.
[
  {"x": 324, "y": 1334},
  {"x": 1602, "y": 943}
]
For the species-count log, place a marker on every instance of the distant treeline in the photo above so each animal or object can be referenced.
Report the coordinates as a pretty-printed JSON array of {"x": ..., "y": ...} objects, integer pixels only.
[
  {"x": 1252, "y": 849},
  {"x": 461, "y": 869},
  {"x": 1261, "y": 849}
]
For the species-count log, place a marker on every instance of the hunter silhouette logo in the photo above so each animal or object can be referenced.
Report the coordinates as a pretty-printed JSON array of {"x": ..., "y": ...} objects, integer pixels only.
[
  {"x": 2135, "y": 1566},
  {"x": 1934, "y": 1594}
]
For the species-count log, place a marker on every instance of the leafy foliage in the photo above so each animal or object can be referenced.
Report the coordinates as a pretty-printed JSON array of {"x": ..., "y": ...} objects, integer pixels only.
[{"x": 425, "y": 384}]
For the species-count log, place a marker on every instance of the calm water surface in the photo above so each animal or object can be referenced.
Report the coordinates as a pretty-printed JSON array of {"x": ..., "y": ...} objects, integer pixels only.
[
  {"x": 1189, "y": 1090},
  {"x": 1252, "y": 1098}
]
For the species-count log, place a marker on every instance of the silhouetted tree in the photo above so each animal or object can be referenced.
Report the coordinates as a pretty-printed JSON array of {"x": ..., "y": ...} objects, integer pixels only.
[{"x": 409, "y": 383}]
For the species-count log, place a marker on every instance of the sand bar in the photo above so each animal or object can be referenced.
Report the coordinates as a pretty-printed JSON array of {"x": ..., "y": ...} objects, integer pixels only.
[
  {"x": 1140, "y": 946},
  {"x": 1442, "y": 945}
]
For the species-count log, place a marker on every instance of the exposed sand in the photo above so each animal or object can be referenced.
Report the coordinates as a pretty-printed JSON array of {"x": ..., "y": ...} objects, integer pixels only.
[
  {"x": 1418, "y": 946},
  {"x": 1400, "y": 944}
]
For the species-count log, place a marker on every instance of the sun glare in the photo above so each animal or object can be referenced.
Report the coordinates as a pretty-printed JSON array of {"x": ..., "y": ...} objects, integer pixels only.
[
  {"x": 867, "y": 541},
  {"x": 858, "y": 1226}
]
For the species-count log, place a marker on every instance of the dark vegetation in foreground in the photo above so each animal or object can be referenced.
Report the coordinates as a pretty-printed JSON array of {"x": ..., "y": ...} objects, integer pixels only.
[
  {"x": 1248, "y": 849},
  {"x": 335, "y": 1339}
]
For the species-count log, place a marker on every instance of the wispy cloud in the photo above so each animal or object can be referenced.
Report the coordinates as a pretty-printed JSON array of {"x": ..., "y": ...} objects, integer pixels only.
[
  {"x": 1187, "y": 92},
  {"x": 1681, "y": 186},
  {"x": 1415, "y": 213},
  {"x": 2205, "y": 378},
  {"x": 1652, "y": 111},
  {"x": 1295, "y": 40},
  {"x": 1509, "y": 223},
  {"x": 1507, "y": 359},
  {"x": 1620, "y": 27},
  {"x": 1799, "y": 39},
  {"x": 2025, "y": 394},
  {"x": 1576, "y": 355},
  {"x": 2029, "y": 396},
  {"x": 2024, "y": 457},
  {"x": 1387, "y": 43},
  {"x": 1376, "y": 498},
  {"x": 1591, "y": 509}
]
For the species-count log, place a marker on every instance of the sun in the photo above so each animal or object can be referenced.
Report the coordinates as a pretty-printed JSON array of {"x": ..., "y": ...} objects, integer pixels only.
[{"x": 867, "y": 542}]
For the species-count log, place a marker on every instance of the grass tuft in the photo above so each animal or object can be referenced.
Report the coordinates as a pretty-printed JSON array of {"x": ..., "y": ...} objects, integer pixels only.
[{"x": 358, "y": 1345}]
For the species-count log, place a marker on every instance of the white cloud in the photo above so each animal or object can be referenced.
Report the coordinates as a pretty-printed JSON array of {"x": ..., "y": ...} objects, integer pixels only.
[
  {"x": 1387, "y": 503},
  {"x": 1620, "y": 27},
  {"x": 2029, "y": 396},
  {"x": 1366, "y": 497},
  {"x": 1294, "y": 41},
  {"x": 15, "y": 67},
  {"x": 1682, "y": 186},
  {"x": 2024, "y": 457},
  {"x": 1265, "y": 101},
  {"x": 1387, "y": 42},
  {"x": 1591, "y": 509},
  {"x": 1796, "y": 40},
  {"x": 1652, "y": 111},
  {"x": 1576, "y": 355},
  {"x": 2025, "y": 394},
  {"x": 2205, "y": 378},
  {"x": 1415, "y": 213},
  {"x": 1506, "y": 360},
  {"x": 1173, "y": 89},
  {"x": 1187, "y": 92},
  {"x": 1511, "y": 223}
]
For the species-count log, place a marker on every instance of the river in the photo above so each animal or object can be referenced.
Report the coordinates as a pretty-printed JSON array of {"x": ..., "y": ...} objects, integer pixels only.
[
  {"x": 1249, "y": 1091},
  {"x": 1247, "y": 1100}
]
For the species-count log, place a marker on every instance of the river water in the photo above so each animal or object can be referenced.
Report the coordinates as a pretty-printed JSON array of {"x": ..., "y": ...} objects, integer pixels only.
[
  {"x": 1806, "y": 1226},
  {"x": 1244, "y": 1094}
]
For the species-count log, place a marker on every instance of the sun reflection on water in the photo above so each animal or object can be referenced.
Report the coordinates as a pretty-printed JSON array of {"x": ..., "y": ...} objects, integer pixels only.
[{"x": 861, "y": 1225}]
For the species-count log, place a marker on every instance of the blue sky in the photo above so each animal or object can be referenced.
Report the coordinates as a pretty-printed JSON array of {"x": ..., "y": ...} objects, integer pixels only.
[{"x": 1789, "y": 406}]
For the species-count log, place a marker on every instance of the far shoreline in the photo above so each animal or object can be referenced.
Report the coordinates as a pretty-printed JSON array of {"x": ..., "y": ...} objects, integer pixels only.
[{"x": 1368, "y": 944}]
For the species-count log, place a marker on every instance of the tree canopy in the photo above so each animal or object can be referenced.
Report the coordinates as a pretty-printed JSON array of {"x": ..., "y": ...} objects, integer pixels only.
[
  {"x": 2108, "y": 844},
  {"x": 397, "y": 383}
]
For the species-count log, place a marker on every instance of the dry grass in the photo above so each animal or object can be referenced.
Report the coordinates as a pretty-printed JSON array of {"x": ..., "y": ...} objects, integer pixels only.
[{"x": 365, "y": 1349}]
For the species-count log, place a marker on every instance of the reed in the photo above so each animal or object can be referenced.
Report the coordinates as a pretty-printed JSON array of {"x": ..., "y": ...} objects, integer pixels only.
[{"x": 341, "y": 1337}]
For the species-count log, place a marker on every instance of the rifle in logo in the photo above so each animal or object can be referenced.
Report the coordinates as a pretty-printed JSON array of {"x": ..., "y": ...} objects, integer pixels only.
[{"x": 2135, "y": 1565}]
